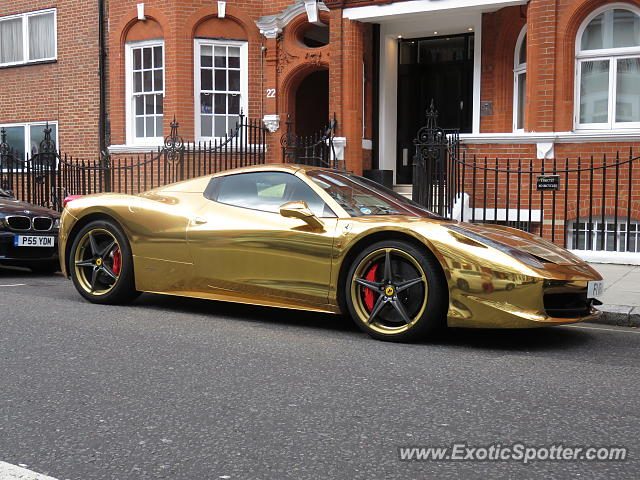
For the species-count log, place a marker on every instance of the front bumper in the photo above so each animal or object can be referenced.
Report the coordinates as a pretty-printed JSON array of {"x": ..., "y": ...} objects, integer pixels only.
[
  {"x": 11, "y": 255},
  {"x": 558, "y": 297}
]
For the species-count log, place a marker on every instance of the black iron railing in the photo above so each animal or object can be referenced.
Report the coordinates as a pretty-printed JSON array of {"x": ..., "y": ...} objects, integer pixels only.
[
  {"x": 48, "y": 176},
  {"x": 316, "y": 150},
  {"x": 582, "y": 204},
  {"x": 578, "y": 203}
]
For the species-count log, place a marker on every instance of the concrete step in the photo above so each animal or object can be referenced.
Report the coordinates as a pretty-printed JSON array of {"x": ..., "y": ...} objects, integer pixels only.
[{"x": 404, "y": 190}]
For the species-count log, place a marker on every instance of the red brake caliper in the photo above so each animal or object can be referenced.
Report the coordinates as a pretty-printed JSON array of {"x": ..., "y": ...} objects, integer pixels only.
[
  {"x": 368, "y": 293},
  {"x": 117, "y": 261}
]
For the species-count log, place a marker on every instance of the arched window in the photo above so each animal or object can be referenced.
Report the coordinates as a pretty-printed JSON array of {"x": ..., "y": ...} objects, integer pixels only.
[
  {"x": 520, "y": 81},
  {"x": 608, "y": 69}
]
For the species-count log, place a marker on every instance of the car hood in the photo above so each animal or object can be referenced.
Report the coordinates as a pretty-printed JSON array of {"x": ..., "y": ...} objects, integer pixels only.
[
  {"x": 11, "y": 206},
  {"x": 523, "y": 241}
]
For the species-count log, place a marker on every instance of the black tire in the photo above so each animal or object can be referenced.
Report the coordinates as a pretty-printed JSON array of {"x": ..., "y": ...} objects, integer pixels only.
[
  {"x": 45, "y": 268},
  {"x": 463, "y": 284},
  {"x": 416, "y": 291},
  {"x": 83, "y": 261}
]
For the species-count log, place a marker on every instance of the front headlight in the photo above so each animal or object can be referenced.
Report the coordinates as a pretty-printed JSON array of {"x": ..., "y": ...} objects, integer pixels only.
[
  {"x": 56, "y": 223},
  {"x": 519, "y": 255}
]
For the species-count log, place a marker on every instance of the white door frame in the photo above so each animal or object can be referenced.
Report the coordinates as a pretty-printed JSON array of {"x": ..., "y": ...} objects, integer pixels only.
[{"x": 388, "y": 99}]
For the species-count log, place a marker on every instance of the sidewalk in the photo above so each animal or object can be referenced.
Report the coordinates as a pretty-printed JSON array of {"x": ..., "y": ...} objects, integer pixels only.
[{"x": 621, "y": 297}]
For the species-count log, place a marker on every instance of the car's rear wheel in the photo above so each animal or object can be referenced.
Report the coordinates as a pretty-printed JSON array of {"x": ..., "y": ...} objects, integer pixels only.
[
  {"x": 101, "y": 264},
  {"x": 395, "y": 291}
]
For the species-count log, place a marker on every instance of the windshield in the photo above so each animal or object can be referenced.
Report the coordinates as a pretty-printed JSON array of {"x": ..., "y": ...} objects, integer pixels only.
[
  {"x": 360, "y": 196},
  {"x": 4, "y": 193}
]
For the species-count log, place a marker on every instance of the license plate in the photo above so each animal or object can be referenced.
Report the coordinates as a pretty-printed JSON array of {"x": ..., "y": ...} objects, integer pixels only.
[
  {"x": 33, "y": 241},
  {"x": 595, "y": 288}
]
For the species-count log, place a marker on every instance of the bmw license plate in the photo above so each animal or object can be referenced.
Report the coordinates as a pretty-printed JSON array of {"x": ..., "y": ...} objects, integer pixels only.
[
  {"x": 595, "y": 288},
  {"x": 33, "y": 241}
]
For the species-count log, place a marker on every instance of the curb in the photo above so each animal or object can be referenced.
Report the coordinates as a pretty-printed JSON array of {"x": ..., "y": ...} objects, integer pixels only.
[{"x": 620, "y": 315}]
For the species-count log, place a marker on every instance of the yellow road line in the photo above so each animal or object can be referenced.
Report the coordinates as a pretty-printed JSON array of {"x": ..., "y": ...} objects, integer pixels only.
[{"x": 605, "y": 329}]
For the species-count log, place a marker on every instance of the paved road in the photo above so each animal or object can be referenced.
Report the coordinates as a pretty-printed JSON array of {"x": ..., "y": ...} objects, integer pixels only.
[{"x": 186, "y": 389}]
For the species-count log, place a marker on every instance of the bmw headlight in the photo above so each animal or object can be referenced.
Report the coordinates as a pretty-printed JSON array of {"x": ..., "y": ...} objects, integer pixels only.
[{"x": 519, "y": 255}]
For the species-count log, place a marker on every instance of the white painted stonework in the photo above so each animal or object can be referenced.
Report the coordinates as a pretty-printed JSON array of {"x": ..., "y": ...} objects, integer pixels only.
[
  {"x": 548, "y": 137},
  {"x": 272, "y": 122},
  {"x": 272, "y": 25},
  {"x": 545, "y": 150},
  {"x": 339, "y": 144},
  {"x": 391, "y": 11}
]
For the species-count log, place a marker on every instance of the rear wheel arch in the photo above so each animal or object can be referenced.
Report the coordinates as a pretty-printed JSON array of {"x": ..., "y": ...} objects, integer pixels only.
[{"x": 370, "y": 239}]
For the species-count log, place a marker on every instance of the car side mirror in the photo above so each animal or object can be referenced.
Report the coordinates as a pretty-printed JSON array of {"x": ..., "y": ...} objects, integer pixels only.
[{"x": 300, "y": 209}]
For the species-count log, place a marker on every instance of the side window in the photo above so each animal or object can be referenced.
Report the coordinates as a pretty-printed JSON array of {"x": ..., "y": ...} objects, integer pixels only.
[{"x": 267, "y": 191}]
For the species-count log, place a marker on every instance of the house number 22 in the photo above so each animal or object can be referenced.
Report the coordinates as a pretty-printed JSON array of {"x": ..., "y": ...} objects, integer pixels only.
[{"x": 271, "y": 93}]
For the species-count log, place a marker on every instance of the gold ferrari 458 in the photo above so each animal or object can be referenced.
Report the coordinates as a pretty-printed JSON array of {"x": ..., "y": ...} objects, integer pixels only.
[{"x": 309, "y": 238}]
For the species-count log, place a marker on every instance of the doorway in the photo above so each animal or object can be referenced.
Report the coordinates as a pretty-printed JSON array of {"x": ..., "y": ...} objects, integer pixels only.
[
  {"x": 438, "y": 69},
  {"x": 312, "y": 103}
]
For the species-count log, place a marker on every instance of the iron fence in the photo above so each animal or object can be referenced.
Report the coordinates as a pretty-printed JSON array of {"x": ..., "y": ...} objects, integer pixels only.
[
  {"x": 316, "y": 150},
  {"x": 579, "y": 203},
  {"x": 434, "y": 162},
  {"x": 48, "y": 176}
]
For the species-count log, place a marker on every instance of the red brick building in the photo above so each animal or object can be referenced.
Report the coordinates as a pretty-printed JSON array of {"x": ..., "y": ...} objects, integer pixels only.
[
  {"x": 50, "y": 72},
  {"x": 528, "y": 80}
]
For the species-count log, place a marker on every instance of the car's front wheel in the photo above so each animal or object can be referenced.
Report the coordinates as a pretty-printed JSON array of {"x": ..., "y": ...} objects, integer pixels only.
[
  {"x": 395, "y": 291},
  {"x": 101, "y": 264}
]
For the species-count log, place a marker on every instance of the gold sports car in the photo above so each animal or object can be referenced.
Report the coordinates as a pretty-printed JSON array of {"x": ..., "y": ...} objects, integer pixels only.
[{"x": 309, "y": 238}]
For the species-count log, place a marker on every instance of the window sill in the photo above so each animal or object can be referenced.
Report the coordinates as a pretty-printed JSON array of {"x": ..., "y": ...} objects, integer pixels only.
[
  {"x": 231, "y": 147},
  {"x": 135, "y": 148},
  {"x": 29, "y": 64},
  {"x": 551, "y": 137}
]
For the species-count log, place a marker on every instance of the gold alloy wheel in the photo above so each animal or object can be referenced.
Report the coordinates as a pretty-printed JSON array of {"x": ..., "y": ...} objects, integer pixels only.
[
  {"x": 399, "y": 291},
  {"x": 98, "y": 261}
]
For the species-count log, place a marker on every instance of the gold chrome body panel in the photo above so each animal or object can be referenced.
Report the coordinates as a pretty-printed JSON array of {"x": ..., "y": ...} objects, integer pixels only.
[{"x": 185, "y": 244}]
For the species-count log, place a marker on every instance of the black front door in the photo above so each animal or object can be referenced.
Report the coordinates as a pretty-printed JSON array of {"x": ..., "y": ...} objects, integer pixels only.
[{"x": 438, "y": 69}]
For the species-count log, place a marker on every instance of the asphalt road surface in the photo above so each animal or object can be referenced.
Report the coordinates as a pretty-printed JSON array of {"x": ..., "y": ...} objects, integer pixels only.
[{"x": 189, "y": 389}]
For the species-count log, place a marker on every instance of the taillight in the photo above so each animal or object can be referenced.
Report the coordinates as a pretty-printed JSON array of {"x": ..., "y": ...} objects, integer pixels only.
[{"x": 69, "y": 198}]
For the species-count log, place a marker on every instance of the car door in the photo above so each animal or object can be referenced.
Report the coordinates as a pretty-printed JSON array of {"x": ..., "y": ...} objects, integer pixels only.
[{"x": 243, "y": 247}]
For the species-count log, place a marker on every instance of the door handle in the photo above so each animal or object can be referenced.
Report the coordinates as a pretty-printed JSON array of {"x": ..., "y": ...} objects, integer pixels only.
[{"x": 199, "y": 221}]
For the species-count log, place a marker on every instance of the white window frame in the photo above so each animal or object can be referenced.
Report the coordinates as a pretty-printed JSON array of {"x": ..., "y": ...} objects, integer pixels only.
[
  {"x": 26, "y": 126},
  {"x": 612, "y": 55},
  {"x": 129, "y": 100},
  {"x": 518, "y": 69},
  {"x": 244, "y": 77},
  {"x": 596, "y": 234},
  {"x": 25, "y": 37}
]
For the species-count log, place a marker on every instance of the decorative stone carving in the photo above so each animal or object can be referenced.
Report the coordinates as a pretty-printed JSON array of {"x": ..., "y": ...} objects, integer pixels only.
[
  {"x": 339, "y": 144},
  {"x": 271, "y": 25},
  {"x": 284, "y": 57},
  {"x": 314, "y": 57},
  {"x": 545, "y": 150},
  {"x": 272, "y": 122}
]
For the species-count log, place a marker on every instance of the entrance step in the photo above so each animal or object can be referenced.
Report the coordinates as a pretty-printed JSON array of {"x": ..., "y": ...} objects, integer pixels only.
[{"x": 404, "y": 190}]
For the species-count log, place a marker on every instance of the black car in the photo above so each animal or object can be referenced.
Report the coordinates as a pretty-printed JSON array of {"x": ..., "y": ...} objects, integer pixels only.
[{"x": 28, "y": 235}]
